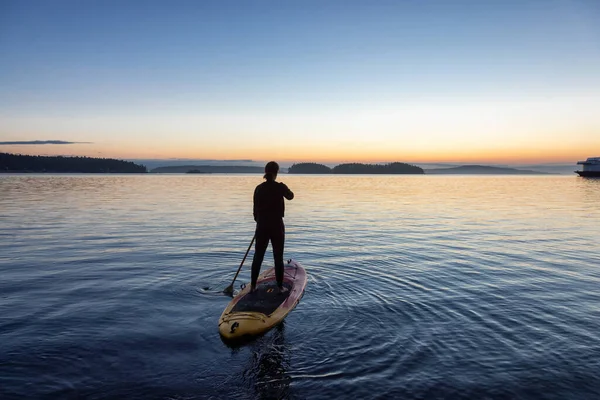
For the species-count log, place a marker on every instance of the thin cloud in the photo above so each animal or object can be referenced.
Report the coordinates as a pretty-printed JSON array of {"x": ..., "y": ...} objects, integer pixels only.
[{"x": 41, "y": 142}]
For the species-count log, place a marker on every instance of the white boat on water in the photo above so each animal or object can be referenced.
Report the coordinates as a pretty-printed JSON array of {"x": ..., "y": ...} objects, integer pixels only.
[{"x": 591, "y": 167}]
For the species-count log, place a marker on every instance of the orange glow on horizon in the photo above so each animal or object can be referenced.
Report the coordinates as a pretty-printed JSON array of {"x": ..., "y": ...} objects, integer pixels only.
[{"x": 325, "y": 155}]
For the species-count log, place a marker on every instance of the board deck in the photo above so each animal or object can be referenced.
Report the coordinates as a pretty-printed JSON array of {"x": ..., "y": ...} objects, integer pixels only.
[
  {"x": 266, "y": 299},
  {"x": 250, "y": 314}
]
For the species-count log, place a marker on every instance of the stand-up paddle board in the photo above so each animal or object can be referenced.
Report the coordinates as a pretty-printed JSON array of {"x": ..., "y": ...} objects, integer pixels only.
[{"x": 250, "y": 314}]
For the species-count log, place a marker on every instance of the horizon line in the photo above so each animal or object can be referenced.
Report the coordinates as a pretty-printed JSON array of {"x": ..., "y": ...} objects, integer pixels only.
[{"x": 334, "y": 162}]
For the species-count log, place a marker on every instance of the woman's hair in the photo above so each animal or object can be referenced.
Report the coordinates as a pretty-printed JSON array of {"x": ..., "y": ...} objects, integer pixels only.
[{"x": 271, "y": 170}]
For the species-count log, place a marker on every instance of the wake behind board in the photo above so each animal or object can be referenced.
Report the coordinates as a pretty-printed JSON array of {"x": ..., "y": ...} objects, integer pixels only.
[{"x": 250, "y": 314}]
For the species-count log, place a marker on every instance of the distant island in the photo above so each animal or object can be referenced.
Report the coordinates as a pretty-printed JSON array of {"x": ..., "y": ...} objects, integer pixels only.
[
  {"x": 403, "y": 168},
  {"x": 309, "y": 168},
  {"x": 482, "y": 170},
  {"x": 355, "y": 168},
  {"x": 208, "y": 169},
  {"x": 59, "y": 164}
]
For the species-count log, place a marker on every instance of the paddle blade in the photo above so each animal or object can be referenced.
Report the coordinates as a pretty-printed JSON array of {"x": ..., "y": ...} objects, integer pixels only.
[{"x": 228, "y": 290}]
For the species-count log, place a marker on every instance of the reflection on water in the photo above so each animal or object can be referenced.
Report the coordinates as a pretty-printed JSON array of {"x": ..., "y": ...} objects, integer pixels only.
[
  {"x": 419, "y": 287},
  {"x": 266, "y": 372}
]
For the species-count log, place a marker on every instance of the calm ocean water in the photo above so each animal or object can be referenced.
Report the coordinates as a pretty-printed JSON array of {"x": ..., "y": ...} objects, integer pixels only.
[{"x": 419, "y": 287}]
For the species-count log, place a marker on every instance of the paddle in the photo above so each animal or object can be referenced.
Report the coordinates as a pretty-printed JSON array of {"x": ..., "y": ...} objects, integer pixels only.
[{"x": 229, "y": 289}]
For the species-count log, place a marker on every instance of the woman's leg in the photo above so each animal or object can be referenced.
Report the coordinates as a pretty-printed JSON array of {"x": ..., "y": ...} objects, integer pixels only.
[
  {"x": 278, "y": 241},
  {"x": 262, "y": 241}
]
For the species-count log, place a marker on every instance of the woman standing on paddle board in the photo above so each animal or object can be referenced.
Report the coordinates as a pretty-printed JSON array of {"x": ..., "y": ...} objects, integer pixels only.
[{"x": 269, "y": 209}]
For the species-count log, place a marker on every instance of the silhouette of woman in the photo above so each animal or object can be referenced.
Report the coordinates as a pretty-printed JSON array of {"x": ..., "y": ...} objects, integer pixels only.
[{"x": 269, "y": 209}]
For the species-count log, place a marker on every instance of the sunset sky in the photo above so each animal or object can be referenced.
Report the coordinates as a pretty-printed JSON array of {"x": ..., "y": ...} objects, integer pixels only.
[{"x": 367, "y": 81}]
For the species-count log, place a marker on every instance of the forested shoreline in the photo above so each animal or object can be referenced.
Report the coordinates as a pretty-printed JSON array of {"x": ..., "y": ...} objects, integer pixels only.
[
  {"x": 52, "y": 164},
  {"x": 61, "y": 164}
]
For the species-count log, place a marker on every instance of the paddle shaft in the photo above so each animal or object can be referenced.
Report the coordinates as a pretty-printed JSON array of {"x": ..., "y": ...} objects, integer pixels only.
[{"x": 242, "y": 263}]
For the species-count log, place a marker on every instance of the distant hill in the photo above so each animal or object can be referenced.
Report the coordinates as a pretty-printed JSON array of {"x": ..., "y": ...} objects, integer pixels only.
[
  {"x": 309, "y": 168},
  {"x": 566, "y": 169},
  {"x": 392, "y": 168},
  {"x": 482, "y": 170},
  {"x": 209, "y": 169},
  {"x": 355, "y": 168},
  {"x": 24, "y": 163},
  {"x": 349, "y": 168},
  {"x": 550, "y": 168},
  {"x": 172, "y": 162}
]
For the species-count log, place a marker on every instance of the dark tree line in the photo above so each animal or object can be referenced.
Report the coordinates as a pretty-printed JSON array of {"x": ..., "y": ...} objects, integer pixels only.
[
  {"x": 309, "y": 168},
  {"x": 25, "y": 163},
  {"x": 355, "y": 168},
  {"x": 392, "y": 168}
]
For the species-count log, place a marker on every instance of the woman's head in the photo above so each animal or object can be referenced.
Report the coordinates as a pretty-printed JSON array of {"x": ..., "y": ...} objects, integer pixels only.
[{"x": 271, "y": 170}]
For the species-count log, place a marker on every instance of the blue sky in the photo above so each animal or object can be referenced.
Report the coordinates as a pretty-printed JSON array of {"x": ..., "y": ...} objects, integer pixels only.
[{"x": 347, "y": 80}]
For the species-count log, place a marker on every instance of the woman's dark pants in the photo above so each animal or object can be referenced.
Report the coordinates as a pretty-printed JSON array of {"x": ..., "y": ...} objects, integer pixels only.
[{"x": 273, "y": 231}]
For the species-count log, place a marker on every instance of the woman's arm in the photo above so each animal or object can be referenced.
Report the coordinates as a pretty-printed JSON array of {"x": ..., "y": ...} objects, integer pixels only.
[{"x": 287, "y": 193}]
